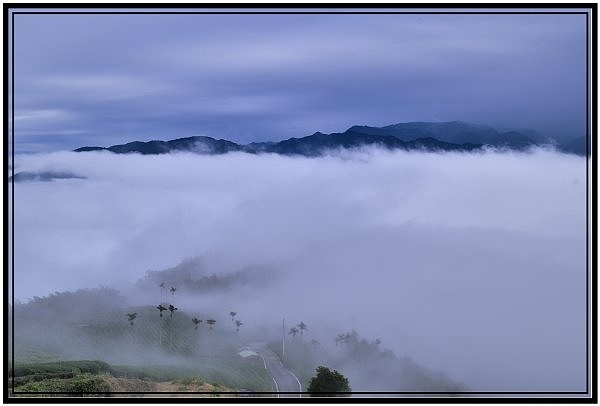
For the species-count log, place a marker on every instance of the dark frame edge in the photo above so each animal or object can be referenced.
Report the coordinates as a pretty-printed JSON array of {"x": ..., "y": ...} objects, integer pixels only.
[
  {"x": 5, "y": 169},
  {"x": 591, "y": 147}
]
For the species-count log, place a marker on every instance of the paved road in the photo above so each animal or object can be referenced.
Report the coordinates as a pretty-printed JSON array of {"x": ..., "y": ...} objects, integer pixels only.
[{"x": 284, "y": 380}]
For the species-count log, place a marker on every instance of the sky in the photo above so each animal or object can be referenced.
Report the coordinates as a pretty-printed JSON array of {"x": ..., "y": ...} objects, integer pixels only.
[
  {"x": 100, "y": 80},
  {"x": 473, "y": 264}
]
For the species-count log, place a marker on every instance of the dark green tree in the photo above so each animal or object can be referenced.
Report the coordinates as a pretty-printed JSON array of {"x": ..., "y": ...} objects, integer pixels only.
[{"x": 328, "y": 382}]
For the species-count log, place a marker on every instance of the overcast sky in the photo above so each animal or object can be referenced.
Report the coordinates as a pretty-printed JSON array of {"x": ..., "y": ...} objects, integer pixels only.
[{"x": 107, "y": 79}]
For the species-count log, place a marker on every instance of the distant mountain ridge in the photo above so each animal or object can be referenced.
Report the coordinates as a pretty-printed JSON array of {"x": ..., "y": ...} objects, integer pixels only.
[
  {"x": 199, "y": 144},
  {"x": 455, "y": 132},
  {"x": 44, "y": 176},
  {"x": 427, "y": 136}
]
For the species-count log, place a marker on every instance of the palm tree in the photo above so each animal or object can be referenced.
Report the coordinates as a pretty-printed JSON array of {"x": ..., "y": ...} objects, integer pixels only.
[
  {"x": 343, "y": 339},
  {"x": 232, "y": 314},
  {"x": 161, "y": 309},
  {"x": 210, "y": 323},
  {"x": 294, "y": 331},
  {"x": 172, "y": 309},
  {"x": 237, "y": 325},
  {"x": 196, "y": 321},
  {"x": 173, "y": 289},
  {"x": 302, "y": 327},
  {"x": 349, "y": 337},
  {"x": 131, "y": 317}
]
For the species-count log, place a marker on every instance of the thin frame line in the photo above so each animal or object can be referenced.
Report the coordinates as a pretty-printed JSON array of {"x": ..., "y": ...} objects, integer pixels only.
[
  {"x": 594, "y": 366},
  {"x": 13, "y": 191},
  {"x": 587, "y": 232},
  {"x": 298, "y": 12}
]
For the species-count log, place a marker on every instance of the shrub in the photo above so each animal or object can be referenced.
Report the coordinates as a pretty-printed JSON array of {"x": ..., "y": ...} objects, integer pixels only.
[
  {"x": 92, "y": 367},
  {"x": 84, "y": 383},
  {"x": 190, "y": 380}
]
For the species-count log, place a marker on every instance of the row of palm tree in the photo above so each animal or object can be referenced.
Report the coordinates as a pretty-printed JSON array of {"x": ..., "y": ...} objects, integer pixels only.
[
  {"x": 210, "y": 322},
  {"x": 298, "y": 329},
  {"x": 349, "y": 337},
  {"x": 237, "y": 323},
  {"x": 164, "y": 306}
]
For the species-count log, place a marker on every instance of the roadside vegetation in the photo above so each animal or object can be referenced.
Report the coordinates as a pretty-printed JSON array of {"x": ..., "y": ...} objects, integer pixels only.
[{"x": 361, "y": 360}]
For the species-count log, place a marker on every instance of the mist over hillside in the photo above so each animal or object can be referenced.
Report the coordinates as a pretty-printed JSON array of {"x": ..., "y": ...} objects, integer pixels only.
[{"x": 456, "y": 260}]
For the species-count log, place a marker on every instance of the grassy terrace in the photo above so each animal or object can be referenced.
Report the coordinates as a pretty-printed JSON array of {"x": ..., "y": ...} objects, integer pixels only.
[{"x": 85, "y": 376}]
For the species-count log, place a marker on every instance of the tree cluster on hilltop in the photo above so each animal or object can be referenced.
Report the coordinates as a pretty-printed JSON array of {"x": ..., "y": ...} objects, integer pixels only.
[
  {"x": 192, "y": 276},
  {"x": 71, "y": 304}
]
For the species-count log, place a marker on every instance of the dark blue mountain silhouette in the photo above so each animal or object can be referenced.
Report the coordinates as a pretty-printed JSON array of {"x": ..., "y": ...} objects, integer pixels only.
[
  {"x": 455, "y": 132},
  {"x": 576, "y": 146},
  {"x": 44, "y": 176},
  {"x": 444, "y": 136}
]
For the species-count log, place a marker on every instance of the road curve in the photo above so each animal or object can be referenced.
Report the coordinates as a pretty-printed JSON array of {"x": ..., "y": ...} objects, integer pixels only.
[{"x": 284, "y": 380}]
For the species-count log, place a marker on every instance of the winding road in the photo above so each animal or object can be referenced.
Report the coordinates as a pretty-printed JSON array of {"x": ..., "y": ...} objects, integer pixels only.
[{"x": 284, "y": 380}]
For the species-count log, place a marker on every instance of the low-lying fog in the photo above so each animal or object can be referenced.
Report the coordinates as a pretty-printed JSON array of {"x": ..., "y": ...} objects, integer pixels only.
[{"x": 471, "y": 264}]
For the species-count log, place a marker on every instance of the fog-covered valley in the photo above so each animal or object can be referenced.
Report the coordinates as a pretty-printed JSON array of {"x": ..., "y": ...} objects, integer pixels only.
[{"x": 467, "y": 269}]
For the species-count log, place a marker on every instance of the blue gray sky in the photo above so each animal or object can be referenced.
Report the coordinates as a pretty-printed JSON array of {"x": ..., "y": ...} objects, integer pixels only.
[{"x": 108, "y": 79}]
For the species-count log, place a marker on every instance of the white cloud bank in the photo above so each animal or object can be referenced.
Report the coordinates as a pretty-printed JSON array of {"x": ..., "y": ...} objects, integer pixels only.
[{"x": 473, "y": 264}]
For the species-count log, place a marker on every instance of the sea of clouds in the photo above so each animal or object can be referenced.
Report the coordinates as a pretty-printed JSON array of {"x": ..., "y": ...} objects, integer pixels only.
[{"x": 472, "y": 264}]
